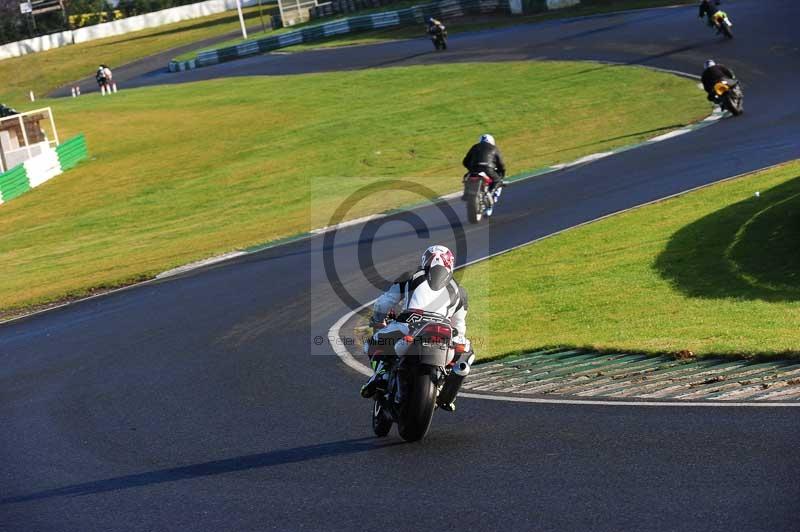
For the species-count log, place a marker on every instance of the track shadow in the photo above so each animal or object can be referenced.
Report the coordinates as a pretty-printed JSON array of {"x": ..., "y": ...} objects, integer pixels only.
[
  {"x": 663, "y": 129},
  {"x": 206, "y": 469},
  {"x": 398, "y": 60},
  {"x": 748, "y": 250}
]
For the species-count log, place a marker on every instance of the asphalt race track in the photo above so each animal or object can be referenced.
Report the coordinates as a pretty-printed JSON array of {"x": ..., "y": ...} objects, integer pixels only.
[{"x": 201, "y": 402}]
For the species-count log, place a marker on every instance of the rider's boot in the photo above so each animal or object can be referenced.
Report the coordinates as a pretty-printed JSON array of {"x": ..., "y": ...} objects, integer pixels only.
[
  {"x": 449, "y": 407},
  {"x": 375, "y": 382},
  {"x": 498, "y": 189}
]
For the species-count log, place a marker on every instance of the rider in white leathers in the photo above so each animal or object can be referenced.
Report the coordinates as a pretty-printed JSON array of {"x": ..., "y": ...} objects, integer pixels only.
[{"x": 430, "y": 289}]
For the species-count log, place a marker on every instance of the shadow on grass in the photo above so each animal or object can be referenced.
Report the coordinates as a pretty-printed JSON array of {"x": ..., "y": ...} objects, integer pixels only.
[
  {"x": 206, "y": 469},
  {"x": 749, "y": 250}
]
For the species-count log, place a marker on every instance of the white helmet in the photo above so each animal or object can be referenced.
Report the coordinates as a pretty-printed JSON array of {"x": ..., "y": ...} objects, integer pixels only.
[
  {"x": 438, "y": 262},
  {"x": 709, "y": 63},
  {"x": 487, "y": 138}
]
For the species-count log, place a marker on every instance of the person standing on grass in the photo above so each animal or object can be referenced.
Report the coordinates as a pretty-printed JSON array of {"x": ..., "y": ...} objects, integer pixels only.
[
  {"x": 104, "y": 78},
  {"x": 109, "y": 75}
]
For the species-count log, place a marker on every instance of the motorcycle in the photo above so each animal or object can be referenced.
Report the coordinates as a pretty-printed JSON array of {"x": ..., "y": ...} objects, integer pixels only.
[
  {"x": 424, "y": 373},
  {"x": 730, "y": 96},
  {"x": 480, "y": 202},
  {"x": 439, "y": 38},
  {"x": 723, "y": 24}
]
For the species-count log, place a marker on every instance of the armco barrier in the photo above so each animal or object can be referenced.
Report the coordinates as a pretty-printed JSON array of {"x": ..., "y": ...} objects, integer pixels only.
[
  {"x": 42, "y": 168},
  {"x": 412, "y": 15}
]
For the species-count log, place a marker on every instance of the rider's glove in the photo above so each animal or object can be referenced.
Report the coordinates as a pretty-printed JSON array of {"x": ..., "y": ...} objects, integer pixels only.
[{"x": 461, "y": 344}]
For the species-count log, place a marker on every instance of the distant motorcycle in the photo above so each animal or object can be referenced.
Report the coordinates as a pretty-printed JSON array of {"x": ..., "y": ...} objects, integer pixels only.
[
  {"x": 480, "y": 201},
  {"x": 439, "y": 37},
  {"x": 730, "y": 95},
  {"x": 422, "y": 376},
  {"x": 723, "y": 24}
]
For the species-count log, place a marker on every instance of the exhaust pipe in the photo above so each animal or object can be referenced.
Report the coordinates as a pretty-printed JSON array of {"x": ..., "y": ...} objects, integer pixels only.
[{"x": 453, "y": 382}]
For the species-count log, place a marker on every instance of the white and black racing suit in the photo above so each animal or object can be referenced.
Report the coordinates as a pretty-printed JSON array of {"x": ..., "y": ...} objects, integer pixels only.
[{"x": 413, "y": 292}]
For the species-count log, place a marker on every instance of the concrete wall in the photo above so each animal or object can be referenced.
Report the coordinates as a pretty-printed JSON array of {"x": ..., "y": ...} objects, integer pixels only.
[
  {"x": 155, "y": 19},
  {"x": 38, "y": 44},
  {"x": 120, "y": 27}
]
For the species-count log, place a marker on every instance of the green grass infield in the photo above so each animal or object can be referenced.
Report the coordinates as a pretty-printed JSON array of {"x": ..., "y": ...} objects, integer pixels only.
[
  {"x": 713, "y": 272},
  {"x": 45, "y": 71},
  {"x": 183, "y": 172}
]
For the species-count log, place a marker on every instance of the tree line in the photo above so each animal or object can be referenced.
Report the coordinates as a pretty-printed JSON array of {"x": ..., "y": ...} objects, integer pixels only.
[{"x": 15, "y": 26}]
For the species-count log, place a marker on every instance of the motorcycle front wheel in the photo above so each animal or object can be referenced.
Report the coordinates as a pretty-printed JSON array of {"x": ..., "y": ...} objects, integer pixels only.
[
  {"x": 731, "y": 104},
  {"x": 418, "y": 410},
  {"x": 381, "y": 422}
]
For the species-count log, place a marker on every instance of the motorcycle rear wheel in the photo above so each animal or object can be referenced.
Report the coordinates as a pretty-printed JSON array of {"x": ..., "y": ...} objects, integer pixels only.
[
  {"x": 474, "y": 209},
  {"x": 418, "y": 410},
  {"x": 727, "y": 31}
]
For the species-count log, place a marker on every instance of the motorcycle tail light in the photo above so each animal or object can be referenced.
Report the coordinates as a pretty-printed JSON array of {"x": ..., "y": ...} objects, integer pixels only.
[
  {"x": 408, "y": 339},
  {"x": 434, "y": 329}
]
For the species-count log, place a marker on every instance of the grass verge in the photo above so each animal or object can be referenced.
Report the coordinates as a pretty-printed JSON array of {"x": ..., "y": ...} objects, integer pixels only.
[
  {"x": 46, "y": 71},
  {"x": 227, "y": 168},
  {"x": 454, "y": 25},
  {"x": 712, "y": 272}
]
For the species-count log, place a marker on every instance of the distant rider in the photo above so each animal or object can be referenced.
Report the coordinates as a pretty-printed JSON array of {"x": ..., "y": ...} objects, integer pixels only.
[
  {"x": 708, "y": 8},
  {"x": 713, "y": 74},
  {"x": 485, "y": 157},
  {"x": 104, "y": 78},
  {"x": 436, "y": 27},
  {"x": 109, "y": 75},
  {"x": 100, "y": 77},
  {"x": 718, "y": 19},
  {"x": 431, "y": 288}
]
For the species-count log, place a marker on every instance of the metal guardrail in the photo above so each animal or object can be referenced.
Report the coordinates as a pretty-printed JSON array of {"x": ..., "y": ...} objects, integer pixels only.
[{"x": 401, "y": 17}]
